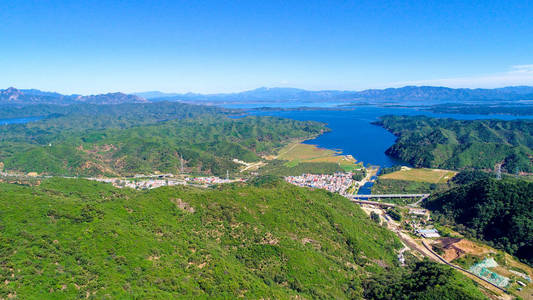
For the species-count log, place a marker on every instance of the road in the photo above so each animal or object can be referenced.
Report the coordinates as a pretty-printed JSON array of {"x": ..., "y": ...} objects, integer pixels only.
[
  {"x": 357, "y": 199},
  {"x": 381, "y": 204},
  {"x": 441, "y": 259},
  {"x": 426, "y": 251}
]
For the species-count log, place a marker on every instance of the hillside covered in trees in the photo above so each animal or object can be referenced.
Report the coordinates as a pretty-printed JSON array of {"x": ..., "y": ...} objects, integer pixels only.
[
  {"x": 420, "y": 280},
  {"x": 498, "y": 211},
  {"x": 458, "y": 144},
  {"x": 69, "y": 238},
  {"x": 129, "y": 139}
]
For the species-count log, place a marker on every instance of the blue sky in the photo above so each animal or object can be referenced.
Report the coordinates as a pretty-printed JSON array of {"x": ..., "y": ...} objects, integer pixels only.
[{"x": 224, "y": 46}]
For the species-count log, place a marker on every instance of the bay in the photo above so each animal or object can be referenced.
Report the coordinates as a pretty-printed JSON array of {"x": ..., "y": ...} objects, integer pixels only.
[{"x": 353, "y": 133}]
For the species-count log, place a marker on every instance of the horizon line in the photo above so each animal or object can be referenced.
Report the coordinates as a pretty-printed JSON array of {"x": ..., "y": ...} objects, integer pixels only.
[{"x": 273, "y": 87}]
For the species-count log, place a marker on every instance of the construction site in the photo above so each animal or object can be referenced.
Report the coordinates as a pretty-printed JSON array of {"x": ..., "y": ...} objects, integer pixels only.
[{"x": 501, "y": 275}]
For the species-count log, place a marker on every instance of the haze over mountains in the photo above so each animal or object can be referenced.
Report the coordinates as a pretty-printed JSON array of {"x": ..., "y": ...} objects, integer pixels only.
[
  {"x": 419, "y": 95},
  {"x": 412, "y": 94},
  {"x": 33, "y": 96}
]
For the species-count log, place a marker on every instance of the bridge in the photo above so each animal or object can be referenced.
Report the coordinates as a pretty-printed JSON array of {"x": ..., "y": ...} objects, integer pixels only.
[
  {"x": 366, "y": 199},
  {"x": 360, "y": 196}
]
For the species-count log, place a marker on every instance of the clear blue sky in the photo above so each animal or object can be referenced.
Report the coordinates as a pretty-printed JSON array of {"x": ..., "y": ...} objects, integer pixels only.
[{"x": 223, "y": 46}]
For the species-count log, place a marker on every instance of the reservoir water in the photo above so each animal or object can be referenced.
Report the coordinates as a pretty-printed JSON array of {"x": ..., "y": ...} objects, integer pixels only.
[
  {"x": 352, "y": 131},
  {"x": 19, "y": 120}
]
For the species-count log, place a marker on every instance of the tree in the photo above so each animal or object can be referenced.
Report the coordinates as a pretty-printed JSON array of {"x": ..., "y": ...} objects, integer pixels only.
[
  {"x": 395, "y": 214},
  {"x": 375, "y": 217}
]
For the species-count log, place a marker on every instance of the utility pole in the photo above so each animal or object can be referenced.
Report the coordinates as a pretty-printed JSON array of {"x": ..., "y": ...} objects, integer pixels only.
[
  {"x": 181, "y": 164},
  {"x": 499, "y": 171},
  {"x": 227, "y": 175}
]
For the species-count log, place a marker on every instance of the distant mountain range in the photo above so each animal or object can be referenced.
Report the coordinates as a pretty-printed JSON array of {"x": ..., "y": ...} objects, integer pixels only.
[
  {"x": 409, "y": 94},
  {"x": 417, "y": 95},
  {"x": 25, "y": 97}
]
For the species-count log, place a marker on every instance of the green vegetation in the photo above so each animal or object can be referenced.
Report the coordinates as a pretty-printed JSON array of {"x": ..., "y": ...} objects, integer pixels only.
[
  {"x": 396, "y": 180},
  {"x": 395, "y": 213},
  {"x": 375, "y": 217},
  {"x": 143, "y": 138},
  {"x": 483, "y": 109},
  {"x": 69, "y": 238},
  {"x": 107, "y": 116},
  {"x": 467, "y": 177},
  {"x": 358, "y": 175},
  {"x": 455, "y": 144},
  {"x": 388, "y": 170},
  {"x": 421, "y": 175},
  {"x": 268, "y": 239},
  {"x": 422, "y": 280},
  {"x": 296, "y": 159},
  {"x": 498, "y": 211},
  {"x": 282, "y": 168},
  {"x": 297, "y": 153},
  {"x": 392, "y": 186},
  {"x": 305, "y": 152}
]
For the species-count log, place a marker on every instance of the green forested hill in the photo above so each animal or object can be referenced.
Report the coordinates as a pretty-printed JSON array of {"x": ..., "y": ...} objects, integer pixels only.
[
  {"x": 267, "y": 239},
  {"x": 456, "y": 144},
  {"x": 499, "y": 211},
  {"x": 142, "y": 138}
]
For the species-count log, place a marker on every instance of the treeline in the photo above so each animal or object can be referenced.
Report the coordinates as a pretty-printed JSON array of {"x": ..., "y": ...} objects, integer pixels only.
[
  {"x": 457, "y": 144},
  {"x": 358, "y": 175},
  {"x": 497, "y": 211},
  {"x": 143, "y": 138},
  {"x": 387, "y": 170},
  {"x": 481, "y": 109},
  {"x": 395, "y": 186},
  {"x": 106, "y": 116}
]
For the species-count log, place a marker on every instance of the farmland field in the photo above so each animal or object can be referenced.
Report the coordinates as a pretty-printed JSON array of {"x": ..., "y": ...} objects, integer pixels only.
[
  {"x": 423, "y": 175},
  {"x": 296, "y": 153}
]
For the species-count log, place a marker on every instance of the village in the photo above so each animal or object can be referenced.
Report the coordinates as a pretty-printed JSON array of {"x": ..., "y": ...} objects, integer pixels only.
[
  {"x": 335, "y": 183},
  {"x": 140, "y": 182},
  {"x": 137, "y": 181},
  {"x": 422, "y": 237}
]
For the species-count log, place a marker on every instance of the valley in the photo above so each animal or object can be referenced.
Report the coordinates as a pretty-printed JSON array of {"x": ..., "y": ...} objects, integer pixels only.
[
  {"x": 299, "y": 150},
  {"x": 180, "y": 149}
]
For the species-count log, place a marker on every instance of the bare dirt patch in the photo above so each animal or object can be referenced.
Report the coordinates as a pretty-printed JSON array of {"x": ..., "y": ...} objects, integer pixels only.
[
  {"x": 455, "y": 247},
  {"x": 183, "y": 205}
]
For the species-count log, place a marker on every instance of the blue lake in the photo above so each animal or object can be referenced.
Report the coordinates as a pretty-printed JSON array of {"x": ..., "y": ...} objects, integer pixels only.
[
  {"x": 352, "y": 131},
  {"x": 19, "y": 120}
]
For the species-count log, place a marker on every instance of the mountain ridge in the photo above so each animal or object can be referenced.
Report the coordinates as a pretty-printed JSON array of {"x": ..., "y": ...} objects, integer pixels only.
[
  {"x": 416, "y": 95},
  {"x": 12, "y": 95},
  {"x": 412, "y": 94}
]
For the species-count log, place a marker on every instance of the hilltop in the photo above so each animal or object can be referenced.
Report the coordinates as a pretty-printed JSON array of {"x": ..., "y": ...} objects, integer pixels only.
[
  {"x": 128, "y": 139},
  {"x": 462, "y": 144},
  {"x": 71, "y": 238},
  {"x": 497, "y": 211}
]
